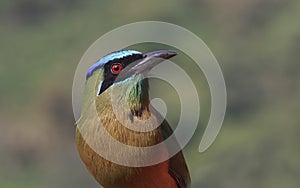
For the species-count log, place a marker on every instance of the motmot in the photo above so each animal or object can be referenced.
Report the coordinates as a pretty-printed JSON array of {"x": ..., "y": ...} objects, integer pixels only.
[{"x": 123, "y": 75}]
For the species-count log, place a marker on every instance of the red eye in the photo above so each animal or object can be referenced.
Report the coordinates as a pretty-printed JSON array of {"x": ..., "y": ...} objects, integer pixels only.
[{"x": 116, "y": 68}]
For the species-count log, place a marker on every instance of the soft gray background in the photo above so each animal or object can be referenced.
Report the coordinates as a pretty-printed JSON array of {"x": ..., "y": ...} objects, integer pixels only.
[{"x": 256, "y": 43}]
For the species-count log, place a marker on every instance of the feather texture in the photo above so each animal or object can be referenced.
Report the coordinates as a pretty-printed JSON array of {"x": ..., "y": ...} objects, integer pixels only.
[{"x": 132, "y": 99}]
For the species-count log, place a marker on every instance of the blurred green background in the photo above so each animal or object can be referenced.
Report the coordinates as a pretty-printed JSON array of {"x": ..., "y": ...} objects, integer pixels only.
[{"x": 257, "y": 44}]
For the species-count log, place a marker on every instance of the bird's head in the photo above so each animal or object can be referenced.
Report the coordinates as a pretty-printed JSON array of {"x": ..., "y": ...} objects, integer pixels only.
[
  {"x": 124, "y": 73},
  {"x": 126, "y": 69}
]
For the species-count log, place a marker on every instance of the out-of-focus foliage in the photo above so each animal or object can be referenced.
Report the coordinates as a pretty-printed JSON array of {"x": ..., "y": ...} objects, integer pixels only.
[{"x": 256, "y": 42}]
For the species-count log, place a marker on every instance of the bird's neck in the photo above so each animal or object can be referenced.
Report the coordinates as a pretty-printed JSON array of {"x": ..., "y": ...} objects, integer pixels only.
[
  {"x": 128, "y": 98},
  {"x": 138, "y": 96}
]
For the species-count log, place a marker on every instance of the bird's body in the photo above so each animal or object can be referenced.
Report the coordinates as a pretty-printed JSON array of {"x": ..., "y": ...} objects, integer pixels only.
[{"x": 132, "y": 100}]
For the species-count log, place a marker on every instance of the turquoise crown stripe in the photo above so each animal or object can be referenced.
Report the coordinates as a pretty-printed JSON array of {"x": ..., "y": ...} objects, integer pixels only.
[{"x": 109, "y": 57}]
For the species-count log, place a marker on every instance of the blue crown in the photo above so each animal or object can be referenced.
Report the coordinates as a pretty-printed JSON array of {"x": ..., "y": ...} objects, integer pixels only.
[{"x": 109, "y": 57}]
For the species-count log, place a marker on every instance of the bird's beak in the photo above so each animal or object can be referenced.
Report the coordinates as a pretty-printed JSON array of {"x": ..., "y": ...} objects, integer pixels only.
[
  {"x": 152, "y": 59},
  {"x": 145, "y": 64}
]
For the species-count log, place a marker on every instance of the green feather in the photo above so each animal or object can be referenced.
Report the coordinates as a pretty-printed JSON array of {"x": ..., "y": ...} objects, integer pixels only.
[{"x": 134, "y": 92}]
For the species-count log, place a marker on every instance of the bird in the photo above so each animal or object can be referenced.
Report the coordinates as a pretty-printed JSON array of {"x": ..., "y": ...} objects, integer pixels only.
[{"x": 123, "y": 74}]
